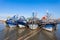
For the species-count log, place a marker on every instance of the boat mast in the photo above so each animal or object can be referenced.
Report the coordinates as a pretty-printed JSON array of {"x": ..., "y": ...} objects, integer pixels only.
[
  {"x": 48, "y": 15},
  {"x": 32, "y": 19}
]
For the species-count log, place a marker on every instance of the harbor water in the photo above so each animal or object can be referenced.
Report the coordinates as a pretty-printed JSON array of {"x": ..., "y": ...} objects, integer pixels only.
[{"x": 16, "y": 33}]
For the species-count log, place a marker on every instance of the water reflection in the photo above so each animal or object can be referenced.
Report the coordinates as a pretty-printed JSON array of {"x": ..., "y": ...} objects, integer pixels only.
[
  {"x": 7, "y": 33},
  {"x": 58, "y": 32},
  {"x": 1, "y": 27},
  {"x": 10, "y": 34},
  {"x": 44, "y": 35},
  {"x": 50, "y": 35},
  {"x": 13, "y": 33}
]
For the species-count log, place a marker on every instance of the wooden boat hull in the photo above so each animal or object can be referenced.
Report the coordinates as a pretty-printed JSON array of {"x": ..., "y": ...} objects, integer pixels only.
[
  {"x": 49, "y": 27},
  {"x": 12, "y": 25},
  {"x": 33, "y": 26},
  {"x": 21, "y": 26}
]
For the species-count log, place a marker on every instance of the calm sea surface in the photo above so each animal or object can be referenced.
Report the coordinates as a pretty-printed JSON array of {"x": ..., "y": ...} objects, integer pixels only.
[{"x": 7, "y": 33}]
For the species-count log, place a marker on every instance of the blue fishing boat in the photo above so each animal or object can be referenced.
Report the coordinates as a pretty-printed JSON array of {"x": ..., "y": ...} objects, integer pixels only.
[
  {"x": 49, "y": 27},
  {"x": 49, "y": 22},
  {"x": 12, "y": 22},
  {"x": 22, "y": 22}
]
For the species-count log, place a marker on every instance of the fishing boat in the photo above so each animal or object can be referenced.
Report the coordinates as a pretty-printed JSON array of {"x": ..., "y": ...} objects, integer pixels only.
[
  {"x": 22, "y": 22},
  {"x": 12, "y": 22},
  {"x": 49, "y": 27},
  {"x": 49, "y": 23},
  {"x": 32, "y": 23}
]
